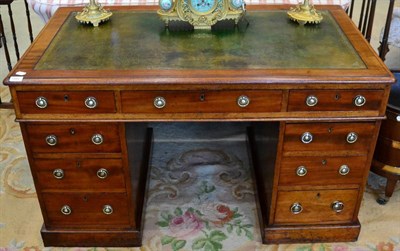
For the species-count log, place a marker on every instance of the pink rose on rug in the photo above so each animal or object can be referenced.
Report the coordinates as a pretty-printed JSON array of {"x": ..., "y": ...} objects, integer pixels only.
[
  {"x": 340, "y": 247},
  {"x": 218, "y": 214},
  {"x": 385, "y": 246},
  {"x": 185, "y": 225}
]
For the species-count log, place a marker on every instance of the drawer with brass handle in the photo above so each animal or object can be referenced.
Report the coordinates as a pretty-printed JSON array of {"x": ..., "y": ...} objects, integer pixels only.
[
  {"x": 80, "y": 174},
  {"x": 74, "y": 138},
  {"x": 322, "y": 137},
  {"x": 86, "y": 210},
  {"x": 335, "y": 100},
  {"x": 62, "y": 102},
  {"x": 315, "y": 207},
  {"x": 246, "y": 101},
  {"x": 322, "y": 170}
]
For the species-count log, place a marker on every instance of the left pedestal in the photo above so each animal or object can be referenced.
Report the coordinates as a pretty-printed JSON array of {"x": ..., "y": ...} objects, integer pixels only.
[{"x": 91, "y": 181}]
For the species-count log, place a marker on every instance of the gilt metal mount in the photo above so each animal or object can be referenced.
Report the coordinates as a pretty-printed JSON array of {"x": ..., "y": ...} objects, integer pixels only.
[
  {"x": 305, "y": 13},
  {"x": 93, "y": 13}
]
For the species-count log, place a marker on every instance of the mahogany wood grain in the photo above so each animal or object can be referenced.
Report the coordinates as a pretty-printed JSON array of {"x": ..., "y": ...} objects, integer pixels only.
[
  {"x": 125, "y": 103},
  {"x": 334, "y": 100},
  {"x": 86, "y": 210},
  {"x": 316, "y": 206},
  {"x": 328, "y": 137},
  {"x": 201, "y": 102},
  {"x": 80, "y": 175},
  {"x": 138, "y": 140},
  {"x": 312, "y": 233},
  {"x": 375, "y": 67},
  {"x": 322, "y": 170},
  {"x": 264, "y": 142},
  {"x": 90, "y": 238},
  {"x": 66, "y": 102},
  {"x": 74, "y": 138}
]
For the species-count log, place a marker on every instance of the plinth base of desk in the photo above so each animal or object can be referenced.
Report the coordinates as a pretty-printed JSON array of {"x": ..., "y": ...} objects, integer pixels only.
[
  {"x": 108, "y": 238},
  {"x": 315, "y": 233}
]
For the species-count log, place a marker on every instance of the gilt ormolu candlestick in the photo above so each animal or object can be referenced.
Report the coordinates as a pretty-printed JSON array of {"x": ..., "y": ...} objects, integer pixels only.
[
  {"x": 305, "y": 13},
  {"x": 93, "y": 13}
]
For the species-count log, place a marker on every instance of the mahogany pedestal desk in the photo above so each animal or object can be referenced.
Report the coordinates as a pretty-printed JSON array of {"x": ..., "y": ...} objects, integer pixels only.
[{"x": 315, "y": 97}]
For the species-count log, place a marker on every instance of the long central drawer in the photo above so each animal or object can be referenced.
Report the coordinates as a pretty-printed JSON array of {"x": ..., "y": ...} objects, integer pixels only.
[{"x": 201, "y": 101}]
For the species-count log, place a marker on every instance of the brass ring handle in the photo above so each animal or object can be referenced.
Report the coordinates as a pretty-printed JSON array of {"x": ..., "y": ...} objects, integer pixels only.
[
  {"x": 344, "y": 170},
  {"x": 97, "y": 139},
  {"x": 41, "y": 102},
  {"x": 159, "y": 102},
  {"x": 311, "y": 100},
  {"x": 301, "y": 171},
  {"x": 107, "y": 209},
  {"x": 359, "y": 100},
  {"x": 243, "y": 101},
  {"x": 66, "y": 210},
  {"x": 58, "y": 173},
  {"x": 351, "y": 137},
  {"x": 306, "y": 138},
  {"x": 337, "y": 206},
  {"x": 51, "y": 140},
  {"x": 91, "y": 102},
  {"x": 296, "y": 208},
  {"x": 102, "y": 173}
]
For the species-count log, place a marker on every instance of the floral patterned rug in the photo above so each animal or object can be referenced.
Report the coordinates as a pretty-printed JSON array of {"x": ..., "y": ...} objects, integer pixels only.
[{"x": 200, "y": 196}]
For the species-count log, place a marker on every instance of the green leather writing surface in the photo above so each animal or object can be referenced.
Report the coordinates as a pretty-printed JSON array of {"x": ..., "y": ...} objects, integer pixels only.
[{"x": 138, "y": 40}]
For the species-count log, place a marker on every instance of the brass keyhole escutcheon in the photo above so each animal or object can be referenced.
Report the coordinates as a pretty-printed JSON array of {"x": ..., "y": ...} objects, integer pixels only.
[
  {"x": 72, "y": 131},
  {"x": 337, "y": 96},
  {"x": 330, "y": 129},
  {"x": 318, "y": 195},
  {"x": 78, "y": 164},
  {"x": 66, "y": 98},
  {"x": 202, "y": 97},
  {"x": 324, "y": 162},
  {"x": 85, "y": 198}
]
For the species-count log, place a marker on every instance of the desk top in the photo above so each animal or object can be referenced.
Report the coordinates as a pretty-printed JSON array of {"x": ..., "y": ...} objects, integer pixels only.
[{"x": 135, "y": 48}]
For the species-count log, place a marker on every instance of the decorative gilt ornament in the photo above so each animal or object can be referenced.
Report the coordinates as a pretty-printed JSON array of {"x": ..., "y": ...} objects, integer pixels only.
[
  {"x": 305, "y": 13},
  {"x": 93, "y": 13},
  {"x": 202, "y": 14}
]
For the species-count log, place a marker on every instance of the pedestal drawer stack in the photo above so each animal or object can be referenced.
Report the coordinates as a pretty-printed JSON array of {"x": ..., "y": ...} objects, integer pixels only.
[
  {"x": 317, "y": 159},
  {"x": 321, "y": 168},
  {"x": 81, "y": 170}
]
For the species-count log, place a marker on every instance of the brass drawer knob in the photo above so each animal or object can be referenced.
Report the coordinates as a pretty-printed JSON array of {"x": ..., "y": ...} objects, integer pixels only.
[
  {"x": 301, "y": 171},
  {"x": 243, "y": 101},
  {"x": 351, "y": 137},
  {"x": 51, "y": 140},
  {"x": 337, "y": 206},
  {"x": 91, "y": 102},
  {"x": 102, "y": 173},
  {"x": 306, "y": 138},
  {"x": 359, "y": 100},
  {"x": 107, "y": 209},
  {"x": 159, "y": 102},
  {"x": 66, "y": 210},
  {"x": 58, "y": 174},
  {"x": 41, "y": 102},
  {"x": 344, "y": 170},
  {"x": 296, "y": 208},
  {"x": 311, "y": 100},
  {"x": 97, "y": 139}
]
